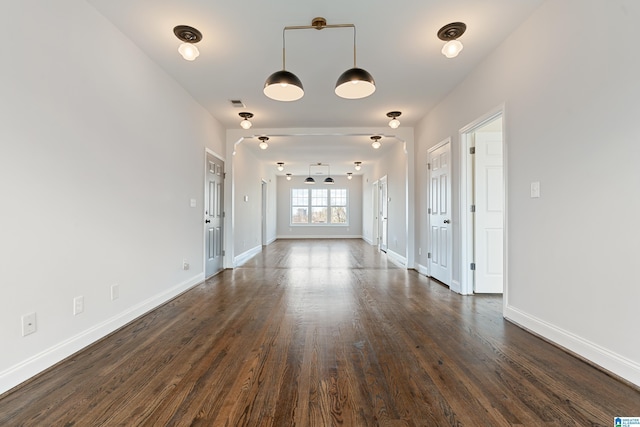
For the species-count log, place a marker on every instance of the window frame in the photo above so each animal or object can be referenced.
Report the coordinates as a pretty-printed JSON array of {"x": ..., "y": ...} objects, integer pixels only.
[{"x": 311, "y": 204}]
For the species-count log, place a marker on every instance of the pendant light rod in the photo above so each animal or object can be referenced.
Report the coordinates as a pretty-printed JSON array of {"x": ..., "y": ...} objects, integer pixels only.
[{"x": 319, "y": 24}]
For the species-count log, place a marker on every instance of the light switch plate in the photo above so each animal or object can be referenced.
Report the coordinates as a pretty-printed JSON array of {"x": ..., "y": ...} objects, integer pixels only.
[{"x": 535, "y": 190}]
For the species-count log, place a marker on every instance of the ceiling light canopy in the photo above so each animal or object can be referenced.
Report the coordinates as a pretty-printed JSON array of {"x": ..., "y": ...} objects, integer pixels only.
[
  {"x": 394, "y": 123},
  {"x": 246, "y": 124},
  {"x": 355, "y": 83},
  {"x": 280, "y": 166},
  {"x": 358, "y": 165},
  {"x": 263, "y": 142},
  {"x": 189, "y": 37},
  {"x": 376, "y": 141},
  {"x": 450, "y": 33}
]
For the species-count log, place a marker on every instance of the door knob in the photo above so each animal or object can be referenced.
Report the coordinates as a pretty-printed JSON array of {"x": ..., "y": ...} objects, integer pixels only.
[
  {"x": 446, "y": 221},
  {"x": 206, "y": 221}
]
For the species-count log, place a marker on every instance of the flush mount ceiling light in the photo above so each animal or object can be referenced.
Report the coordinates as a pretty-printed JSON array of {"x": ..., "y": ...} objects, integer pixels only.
[
  {"x": 288, "y": 177},
  {"x": 280, "y": 166},
  {"x": 246, "y": 124},
  {"x": 376, "y": 141},
  {"x": 358, "y": 165},
  {"x": 450, "y": 33},
  {"x": 355, "y": 83},
  {"x": 349, "y": 175},
  {"x": 263, "y": 142},
  {"x": 189, "y": 37},
  {"x": 394, "y": 123}
]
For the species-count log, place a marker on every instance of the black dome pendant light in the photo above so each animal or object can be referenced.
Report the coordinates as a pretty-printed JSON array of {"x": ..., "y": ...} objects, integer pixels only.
[{"x": 355, "y": 83}]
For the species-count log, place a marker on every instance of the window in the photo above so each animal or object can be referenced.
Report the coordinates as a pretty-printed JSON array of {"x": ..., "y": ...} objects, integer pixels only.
[{"x": 319, "y": 206}]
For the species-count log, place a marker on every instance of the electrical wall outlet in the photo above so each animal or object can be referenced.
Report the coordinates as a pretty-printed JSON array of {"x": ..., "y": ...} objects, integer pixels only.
[
  {"x": 78, "y": 305},
  {"x": 29, "y": 325},
  {"x": 185, "y": 264},
  {"x": 115, "y": 292}
]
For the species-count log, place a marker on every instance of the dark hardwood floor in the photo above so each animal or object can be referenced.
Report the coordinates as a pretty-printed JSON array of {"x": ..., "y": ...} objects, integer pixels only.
[{"x": 321, "y": 333}]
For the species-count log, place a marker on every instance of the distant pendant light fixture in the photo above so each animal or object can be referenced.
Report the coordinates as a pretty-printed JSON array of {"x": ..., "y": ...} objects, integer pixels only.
[
  {"x": 263, "y": 142},
  {"x": 349, "y": 175},
  {"x": 450, "y": 33},
  {"x": 376, "y": 141},
  {"x": 394, "y": 123},
  {"x": 328, "y": 180},
  {"x": 280, "y": 166},
  {"x": 358, "y": 165},
  {"x": 354, "y": 83},
  {"x": 288, "y": 177},
  {"x": 189, "y": 37},
  {"x": 309, "y": 180},
  {"x": 245, "y": 124}
]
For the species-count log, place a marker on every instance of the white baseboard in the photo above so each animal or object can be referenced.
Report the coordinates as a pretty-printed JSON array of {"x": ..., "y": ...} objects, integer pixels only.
[
  {"x": 606, "y": 359},
  {"x": 321, "y": 236},
  {"x": 397, "y": 259},
  {"x": 246, "y": 256},
  {"x": 368, "y": 240},
  {"x": 271, "y": 240},
  {"x": 423, "y": 270},
  {"x": 34, "y": 365},
  {"x": 456, "y": 287}
]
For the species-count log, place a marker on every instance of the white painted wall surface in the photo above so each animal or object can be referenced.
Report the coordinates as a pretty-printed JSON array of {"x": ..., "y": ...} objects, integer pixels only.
[
  {"x": 101, "y": 153},
  {"x": 569, "y": 80}
]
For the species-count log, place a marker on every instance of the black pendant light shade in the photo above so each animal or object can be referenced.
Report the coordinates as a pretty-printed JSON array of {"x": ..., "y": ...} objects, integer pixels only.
[
  {"x": 329, "y": 181},
  {"x": 309, "y": 180},
  {"x": 355, "y": 83},
  {"x": 283, "y": 86}
]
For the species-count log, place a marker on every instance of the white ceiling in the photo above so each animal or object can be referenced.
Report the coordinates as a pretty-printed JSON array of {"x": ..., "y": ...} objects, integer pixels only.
[{"x": 242, "y": 46}]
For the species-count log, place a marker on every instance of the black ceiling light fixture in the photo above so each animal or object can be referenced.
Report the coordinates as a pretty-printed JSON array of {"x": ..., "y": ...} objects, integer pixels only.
[
  {"x": 263, "y": 142},
  {"x": 394, "y": 123},
  {"x": 355, "y": 83},
  {"x": 189, "y": 37},
  {"x": 450, "y": 33},
  {"x": 245, "y": 123},
  {"x": 376, "y": 141},
  {"x": 328, "y": 180}
]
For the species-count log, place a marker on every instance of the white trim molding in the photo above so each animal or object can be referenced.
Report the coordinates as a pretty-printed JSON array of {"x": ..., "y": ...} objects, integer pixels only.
[
  {"x": 321, "y": 236},
  {"x": 423, "y": 270},
  {"x": 397, "y": 259},
  {"x": 606, "y": 359},
  {"x": 246, "y": 256},
  {"x": 36, "y": 364}
]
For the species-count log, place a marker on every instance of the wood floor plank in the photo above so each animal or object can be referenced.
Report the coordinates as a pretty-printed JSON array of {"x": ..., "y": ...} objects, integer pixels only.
[{"x": 321, "y": 333}]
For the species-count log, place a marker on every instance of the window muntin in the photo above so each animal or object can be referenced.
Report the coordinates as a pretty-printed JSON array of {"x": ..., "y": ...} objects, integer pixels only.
[{"x": 319, "y": 206}]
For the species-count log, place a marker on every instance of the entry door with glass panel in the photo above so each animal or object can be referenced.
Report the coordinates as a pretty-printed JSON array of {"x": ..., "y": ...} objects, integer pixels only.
[{"x": 214, "y": 215}]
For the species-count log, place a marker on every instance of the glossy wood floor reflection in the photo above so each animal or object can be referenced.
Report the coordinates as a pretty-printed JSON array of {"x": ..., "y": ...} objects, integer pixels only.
[{"x": 321, "y": 333}]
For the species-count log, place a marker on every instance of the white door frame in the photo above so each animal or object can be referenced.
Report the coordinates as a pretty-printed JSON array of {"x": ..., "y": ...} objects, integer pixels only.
[{"x": 466, "y": 200}]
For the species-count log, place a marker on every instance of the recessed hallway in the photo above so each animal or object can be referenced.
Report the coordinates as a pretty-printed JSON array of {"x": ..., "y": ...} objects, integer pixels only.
[{"x": 321, "y": 332}]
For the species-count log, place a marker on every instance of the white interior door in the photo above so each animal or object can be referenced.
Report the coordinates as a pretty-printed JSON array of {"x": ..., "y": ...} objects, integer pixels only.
[
  {"x": 264, "y": 213},
  {"x": 376, "y": 223},
  {"x": 441, "y": 253},
  {"x": 383, "y": 204},
  {"x": 489, "y": 201},
  {"x": 214, "y": 215}
]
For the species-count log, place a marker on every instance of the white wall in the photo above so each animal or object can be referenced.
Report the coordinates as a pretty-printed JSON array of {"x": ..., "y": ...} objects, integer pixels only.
[
  {"x": 101, "y": 153},
  {"x": 248, "y": 174},
  {"x": 569, "y": 80},
  {"x": 396, "y": 166},
  {"x": 288, "y": 231}
]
